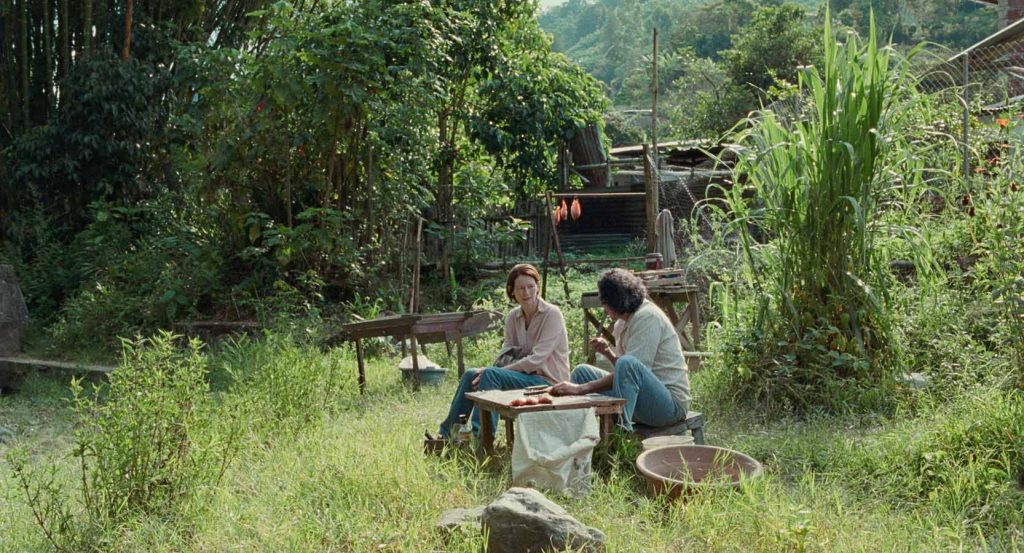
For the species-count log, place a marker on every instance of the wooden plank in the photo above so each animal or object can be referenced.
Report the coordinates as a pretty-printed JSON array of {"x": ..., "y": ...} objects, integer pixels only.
[{"x": 45, "y": 363}]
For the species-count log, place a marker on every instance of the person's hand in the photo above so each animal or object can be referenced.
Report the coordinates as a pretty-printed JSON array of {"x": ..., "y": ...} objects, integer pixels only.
[
  {"x": 476, "y": 381},
  {"x": 600, "y": 345},
  {"x": 566, "y": 389}
]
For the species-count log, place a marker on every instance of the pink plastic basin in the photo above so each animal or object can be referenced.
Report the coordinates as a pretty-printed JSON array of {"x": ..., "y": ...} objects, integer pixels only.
[{"x": 675, "y": 469}]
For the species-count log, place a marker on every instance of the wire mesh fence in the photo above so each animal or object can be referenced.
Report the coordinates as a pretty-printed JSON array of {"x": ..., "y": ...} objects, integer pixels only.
[{"x": 984, "y": 85}]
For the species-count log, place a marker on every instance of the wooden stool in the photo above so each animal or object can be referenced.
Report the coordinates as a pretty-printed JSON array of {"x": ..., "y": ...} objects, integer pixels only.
[{"x": 694, "y": 422}]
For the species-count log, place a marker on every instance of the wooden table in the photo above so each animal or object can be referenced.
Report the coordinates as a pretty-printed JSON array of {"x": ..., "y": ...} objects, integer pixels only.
[
  {"x": 422, "y": 328},
  {"x": 667, "y": 290},
  {"x": 497, "y": 401}
]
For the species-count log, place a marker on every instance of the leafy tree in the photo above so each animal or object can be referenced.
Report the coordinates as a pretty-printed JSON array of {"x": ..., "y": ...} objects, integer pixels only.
[
  {"x": 705, "y": 102},
  {"x": 713, "y": 26},
  {"x": 773, "y": 47},
  {"x": 536, "y": 100}
]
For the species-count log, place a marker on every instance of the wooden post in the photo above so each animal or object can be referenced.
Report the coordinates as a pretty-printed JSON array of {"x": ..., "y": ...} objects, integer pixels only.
[
  {"x": 558, "y": 251},
  {"x": 414, "y": 300},
  {"x": 362, "y": 369},
  {"x": 654, "y": 102},
  {"x": 965, "y": 150},
  {"x": 415, "y": 363},
  {"x": 651, "y": 193},
  {"x": 547, "y": 246}
]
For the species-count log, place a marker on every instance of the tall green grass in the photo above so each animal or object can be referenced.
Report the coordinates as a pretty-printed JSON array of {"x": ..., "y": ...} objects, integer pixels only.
[{"x": 813, "y": 188}]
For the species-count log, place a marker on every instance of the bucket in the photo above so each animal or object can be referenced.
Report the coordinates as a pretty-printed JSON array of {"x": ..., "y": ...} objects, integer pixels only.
[
  {"x": 429, "y": 376},
  {"x": 430, "y": 373},
  {"x": 665, "y": 441},
  {"x": 653, "y": 261}
]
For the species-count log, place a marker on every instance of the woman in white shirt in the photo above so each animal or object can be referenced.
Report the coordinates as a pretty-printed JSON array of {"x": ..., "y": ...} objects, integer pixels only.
[{"x": 535, "y": 330}]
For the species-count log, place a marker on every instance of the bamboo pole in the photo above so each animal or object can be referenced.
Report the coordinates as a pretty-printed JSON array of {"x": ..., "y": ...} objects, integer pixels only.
[
  {"x": 24, "y": 63},
  {"x": 414, "y": 303},
  {"x": 651, "y": 201},
  {"x": 64, "y": 26},
  {"x": 558, "y": 251},
  {"x": 128, "y": 12},
  {"x": 48, "y": 55},
  {"x": 86, "y": 28},
  {"x": 654, "y": 102}
]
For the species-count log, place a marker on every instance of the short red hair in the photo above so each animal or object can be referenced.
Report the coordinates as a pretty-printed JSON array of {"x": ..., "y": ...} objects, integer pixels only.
[{"x": 523, "y": 269}]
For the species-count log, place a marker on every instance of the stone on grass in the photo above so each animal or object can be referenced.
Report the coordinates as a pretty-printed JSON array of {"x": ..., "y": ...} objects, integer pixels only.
[
  {"x": 522, "y": 520},
  {"x": 915, "y": 381},
  {"x": 459, "y": 519}
]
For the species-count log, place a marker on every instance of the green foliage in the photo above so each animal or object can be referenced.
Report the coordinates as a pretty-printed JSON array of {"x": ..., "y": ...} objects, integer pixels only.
[
  {"x": 813, "y": 186},
  {"x": 773, "y": 47},
  {"x": 280, "y": 384},
  {"x": 705, "y": 102},
  {"x": 535, "y": 100},
  {"x": 623, "y": 130},
  {"x": 964, "y": 462},
  {"x": 144, "y": 447},
  {"x": 998, "y": 233},
  {"x": 951, "y": 23},
  {"x": 144, "y": 267},
  {"x": 711, "y": 29},
  {"x": 104, "y": 146}
]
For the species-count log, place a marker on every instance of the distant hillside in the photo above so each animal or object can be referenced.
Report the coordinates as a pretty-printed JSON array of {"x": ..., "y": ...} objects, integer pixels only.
[{"x": 610, "y": 37}]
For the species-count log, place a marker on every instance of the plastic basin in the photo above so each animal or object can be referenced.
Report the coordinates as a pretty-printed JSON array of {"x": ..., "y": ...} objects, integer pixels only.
[
  {"x": 429, "y": 376},
  {"x": 673, "y": 470}
]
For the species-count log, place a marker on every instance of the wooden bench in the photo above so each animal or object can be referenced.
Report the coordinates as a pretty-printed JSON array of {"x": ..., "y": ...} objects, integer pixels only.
[{"x": 694, "y": 423}]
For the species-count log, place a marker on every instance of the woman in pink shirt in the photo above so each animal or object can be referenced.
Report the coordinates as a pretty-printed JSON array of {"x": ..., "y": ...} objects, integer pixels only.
[{"x": 535, "y": 331}]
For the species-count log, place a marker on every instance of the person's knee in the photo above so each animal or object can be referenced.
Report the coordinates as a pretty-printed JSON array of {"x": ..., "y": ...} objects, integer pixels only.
[
  {"x": 627, "y": 362},
  {"x": 490, "y": 379},
  {"x": 583, "y": 374},
  {"x": 469, "y": 375}
]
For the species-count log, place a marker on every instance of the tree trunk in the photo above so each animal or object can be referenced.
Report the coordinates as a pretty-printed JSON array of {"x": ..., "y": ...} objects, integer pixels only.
[
  {"x": 48, "y": 55},
  {"x": 10, "y": 66},
  {"x": 65, "y": 39},
  {"x": 445, "y": 175},
  {"x": 24, "y": 62},
  {"x": 129, "y": 8}
]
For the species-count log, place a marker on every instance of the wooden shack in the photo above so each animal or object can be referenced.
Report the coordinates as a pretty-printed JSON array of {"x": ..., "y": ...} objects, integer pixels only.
[{"x": 612, "y": 196}]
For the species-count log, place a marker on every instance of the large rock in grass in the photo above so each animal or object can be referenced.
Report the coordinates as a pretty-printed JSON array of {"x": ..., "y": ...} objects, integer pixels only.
[
  {"x": 13, "y": 313},
  {"x": 522, "y": 520}
]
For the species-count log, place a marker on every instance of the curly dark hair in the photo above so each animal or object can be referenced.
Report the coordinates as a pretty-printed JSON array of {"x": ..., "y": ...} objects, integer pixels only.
[{"x": 621, "y": 290}]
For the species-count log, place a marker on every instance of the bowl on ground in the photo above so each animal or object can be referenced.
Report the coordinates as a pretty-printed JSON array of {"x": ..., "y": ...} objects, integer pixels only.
[
  {"x": 666, "y": 441},
  {"x": 674, "y": 470},
  {"x": 429, "y": 376}
]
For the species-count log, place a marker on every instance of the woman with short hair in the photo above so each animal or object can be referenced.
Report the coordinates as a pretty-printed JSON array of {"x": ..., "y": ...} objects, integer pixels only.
[
  {"x": 650, "y": 370},
  {"x": 535, "y": 331}
]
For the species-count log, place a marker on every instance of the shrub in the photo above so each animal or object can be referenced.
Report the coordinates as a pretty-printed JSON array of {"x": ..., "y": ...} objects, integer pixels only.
[
  {"x": 144, "y": 446},
  {"x": 814, "y": 187},
  {"x": 280, "y": 383}
]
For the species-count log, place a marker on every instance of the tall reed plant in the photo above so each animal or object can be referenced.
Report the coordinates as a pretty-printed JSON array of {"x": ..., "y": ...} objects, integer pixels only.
[{"x": 812, "y": 192}]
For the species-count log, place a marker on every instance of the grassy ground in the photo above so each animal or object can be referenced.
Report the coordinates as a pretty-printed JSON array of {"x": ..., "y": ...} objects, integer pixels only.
[{"x": 353, "y": 477}]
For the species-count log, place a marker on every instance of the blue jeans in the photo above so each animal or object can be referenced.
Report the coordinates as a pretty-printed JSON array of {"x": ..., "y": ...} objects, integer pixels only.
[
  {"x": 494, "y": 378},
  {"x": 648, "y": 401}
]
